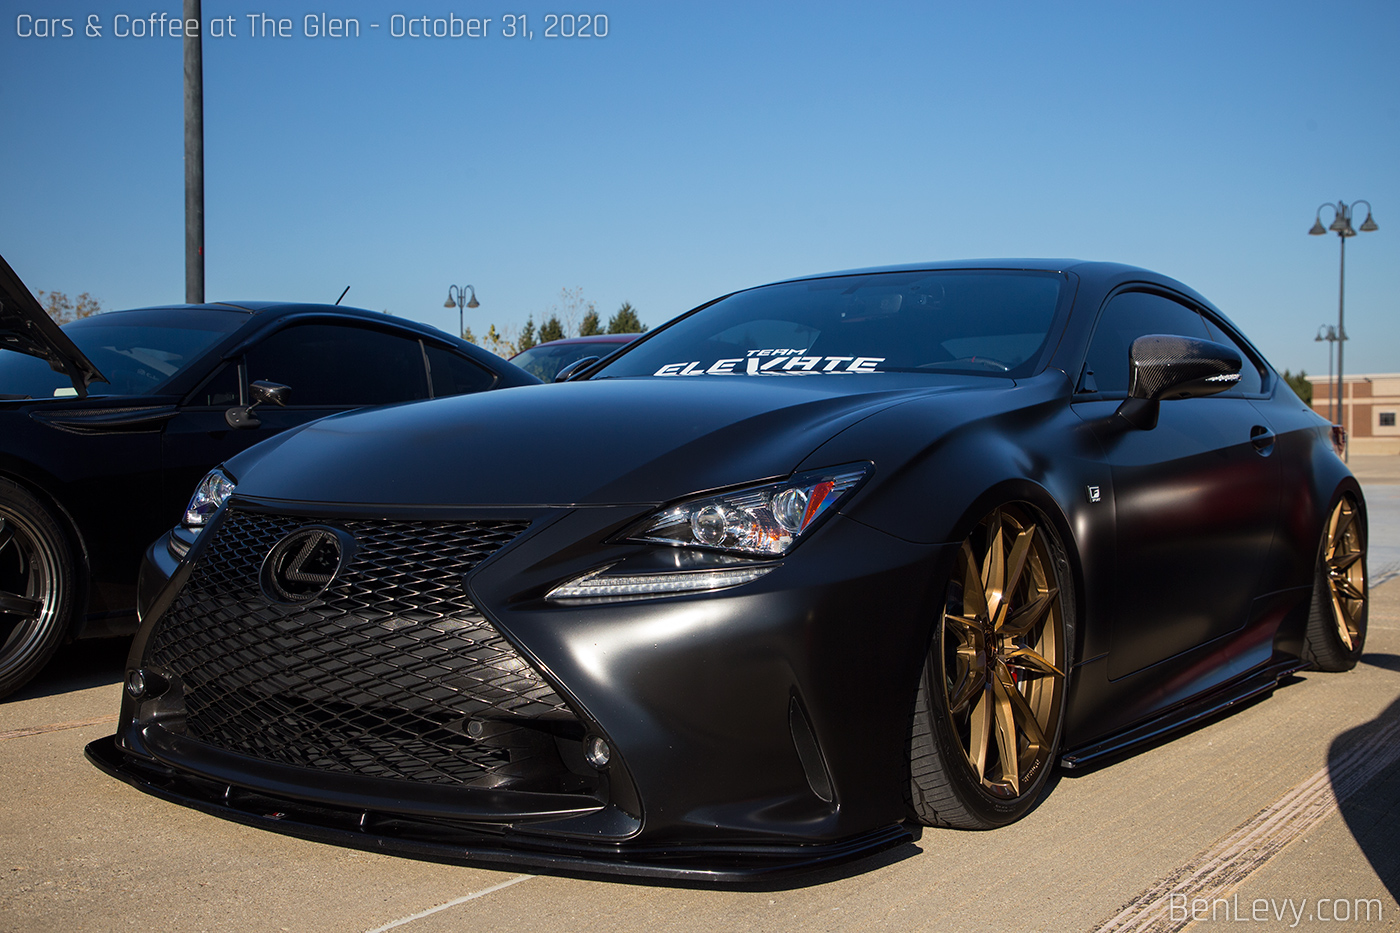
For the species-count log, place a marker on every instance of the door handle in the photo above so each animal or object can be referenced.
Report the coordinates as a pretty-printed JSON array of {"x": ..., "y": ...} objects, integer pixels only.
[{"x": 1262, "y": 439}]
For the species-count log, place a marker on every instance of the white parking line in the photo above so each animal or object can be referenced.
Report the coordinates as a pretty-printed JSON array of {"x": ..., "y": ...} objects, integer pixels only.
[
  {"x": 1235, "y": 857},
  {"x": 461, "y": 900}
]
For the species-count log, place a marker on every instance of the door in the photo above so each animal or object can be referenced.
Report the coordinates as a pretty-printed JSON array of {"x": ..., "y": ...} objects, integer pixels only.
[{"x": 1195, "y": 499}]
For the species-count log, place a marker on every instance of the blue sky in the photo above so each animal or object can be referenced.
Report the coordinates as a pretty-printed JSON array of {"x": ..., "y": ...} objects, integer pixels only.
[{"x": 704, "y": 147}]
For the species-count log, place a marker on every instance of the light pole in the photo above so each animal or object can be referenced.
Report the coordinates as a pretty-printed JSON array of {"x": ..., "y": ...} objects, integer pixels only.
[
  {"x": 1341, "y": 225},
  {"x": 457, "y": 298},
  {"x": 1329, "y": 333}
]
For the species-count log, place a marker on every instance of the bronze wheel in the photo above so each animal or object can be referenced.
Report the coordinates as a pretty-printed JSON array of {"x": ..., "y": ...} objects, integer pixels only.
[
  {"x": 1337, "y": 625},
  {"x": 36, "y": 583},
  {"x": 994, "y": 682}
]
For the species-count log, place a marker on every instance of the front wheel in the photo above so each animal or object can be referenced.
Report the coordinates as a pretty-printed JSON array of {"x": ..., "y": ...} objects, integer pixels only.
[
  {"x": 36, "y": 587},
  {"x": 988, "y": 712},
  {"x": 1336, "y": 631}
]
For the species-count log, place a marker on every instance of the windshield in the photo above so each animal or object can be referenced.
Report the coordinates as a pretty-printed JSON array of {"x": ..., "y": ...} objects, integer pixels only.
[
  {"x": 138, "y": 351},
  {"x": 979, "y": 321}
]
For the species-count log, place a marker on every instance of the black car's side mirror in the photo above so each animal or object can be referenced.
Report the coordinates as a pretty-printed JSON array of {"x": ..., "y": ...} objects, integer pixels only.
[
  {"x": 567, "y": 373},
  {"x": 1163, "y": 367},
  {"x": 261, "y": 391}
]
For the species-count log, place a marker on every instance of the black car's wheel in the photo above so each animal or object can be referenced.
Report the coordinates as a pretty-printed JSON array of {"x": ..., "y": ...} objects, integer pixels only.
[
  {"x": 36, "y": 587},
  {"x": 987, "y": 717},
  {"x": 1336, "y": 630}
]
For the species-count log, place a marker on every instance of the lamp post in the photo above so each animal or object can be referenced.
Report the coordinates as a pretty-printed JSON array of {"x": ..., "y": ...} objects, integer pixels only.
[
  {"x": 1329, "y": 333},
  {"x": 1341, "y": 225},
  {"x": 457, "y": 298}
]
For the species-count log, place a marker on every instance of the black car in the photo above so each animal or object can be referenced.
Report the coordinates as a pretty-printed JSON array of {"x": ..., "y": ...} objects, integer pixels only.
[
  {"x": 809, "y": 566},
  {"x": 106, "y": 424}
]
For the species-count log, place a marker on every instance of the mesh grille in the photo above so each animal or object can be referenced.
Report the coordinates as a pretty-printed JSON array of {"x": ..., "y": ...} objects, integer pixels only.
[{"x": 379, "y": 676}]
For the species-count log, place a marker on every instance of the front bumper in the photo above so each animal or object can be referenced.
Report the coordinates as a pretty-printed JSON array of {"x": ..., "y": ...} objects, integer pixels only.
[{"x": 756, "y": 730}]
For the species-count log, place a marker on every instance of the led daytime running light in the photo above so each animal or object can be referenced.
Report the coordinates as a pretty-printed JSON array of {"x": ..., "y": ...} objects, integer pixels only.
[{"x": 599, "y": 583}]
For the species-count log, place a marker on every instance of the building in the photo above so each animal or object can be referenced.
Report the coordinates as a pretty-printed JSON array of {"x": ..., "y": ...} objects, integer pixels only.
[{"x": 1370, "y": 405}]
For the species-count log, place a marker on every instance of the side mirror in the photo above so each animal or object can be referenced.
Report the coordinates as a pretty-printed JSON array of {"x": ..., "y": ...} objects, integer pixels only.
[
  {"x": 1164, "y": 367},
  {"x": 565, "y": 374},
  {"x": 261, "y": 391}
]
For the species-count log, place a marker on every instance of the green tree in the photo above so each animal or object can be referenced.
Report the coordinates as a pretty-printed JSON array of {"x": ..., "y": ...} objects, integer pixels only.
[
  {"x": 552, "y": 330},
  {"x": 625, "y": 321},
  {"x": 591, "y": 324},
  {"x": 1300, "y": 385},
  {"x": 527, "y": 337},
  {"x": 64, "y": 311},
  {"x": 468, "y": 336},
  {"x": 498, "y": 343}
]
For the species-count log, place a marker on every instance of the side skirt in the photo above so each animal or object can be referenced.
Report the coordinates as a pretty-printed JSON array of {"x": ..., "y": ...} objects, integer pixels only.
[{"x": 1253, "y": 684}]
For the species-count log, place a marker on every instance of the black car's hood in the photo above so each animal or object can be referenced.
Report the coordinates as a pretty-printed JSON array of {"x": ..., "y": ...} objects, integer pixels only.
[
  {"x": 587, "y": 443},
  {"x": 25, "y": 327}
]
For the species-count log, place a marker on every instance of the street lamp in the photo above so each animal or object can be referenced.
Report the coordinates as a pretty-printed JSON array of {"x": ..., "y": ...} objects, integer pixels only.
[
  {"x": 1329, "y": 333},
  {"x": 457, "y": 298},
  {"x": 1341, "y": 225}
]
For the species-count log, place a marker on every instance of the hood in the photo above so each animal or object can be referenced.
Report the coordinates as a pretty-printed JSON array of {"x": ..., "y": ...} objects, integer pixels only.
[
  {"x": 25, "y": 327},
  {"x": 578, "y": 443}
]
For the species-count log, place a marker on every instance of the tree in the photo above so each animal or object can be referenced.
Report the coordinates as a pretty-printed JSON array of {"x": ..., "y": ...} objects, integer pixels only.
[
  {"x": 591, "y": 325},
  {"x": 527, "y": 337},
  {"x": 1300, "y": 385},
  {"x": 625, "y": 321},
  {"x": 498, "y": 343},
  {"x": 64, "y": 311},
  {"x": 468, "y": 336},
  {"x": 551, "y": 329}
]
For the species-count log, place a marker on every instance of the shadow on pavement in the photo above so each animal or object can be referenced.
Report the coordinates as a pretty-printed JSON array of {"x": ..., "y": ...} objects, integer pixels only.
[
  {"x": 1388, "y": 662},
  {"x": 78, "y": 666},
  {"x": 1372, "y": 812}
]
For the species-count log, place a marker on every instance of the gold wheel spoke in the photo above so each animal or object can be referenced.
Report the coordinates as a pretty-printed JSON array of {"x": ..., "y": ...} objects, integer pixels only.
[
  {"x": 974, "y": 592},
  {"x": 1026, "y": 720},
  {"x": 1027, "y": 659},
  {"x": 1029, "y": 616},
  {"x": 1015, "y": 566},
  {"x": 974, "y": 682},
  {"x": 994, "y": 570},
  {"x": 1344, "y": 587},
  {"x": 962, "y": 624},
  {"x": 1342, "y": 522},
  {"x": 1008, "y": 745},
  {"x": 981, "y": 732},
  {"x": 1344, "y": 562}
]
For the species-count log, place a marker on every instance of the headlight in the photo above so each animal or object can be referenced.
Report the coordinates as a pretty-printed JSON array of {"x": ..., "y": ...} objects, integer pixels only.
[
  {"x": 763, "y": 520},
  {"x": 211, "y": 493}
]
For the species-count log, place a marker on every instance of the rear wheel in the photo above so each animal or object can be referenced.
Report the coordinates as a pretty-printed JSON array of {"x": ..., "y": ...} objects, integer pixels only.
[
  {"x": 36, "y": 586},
  {"x": 1336, "y": 631},
  {"x": 988, "y": 713}
]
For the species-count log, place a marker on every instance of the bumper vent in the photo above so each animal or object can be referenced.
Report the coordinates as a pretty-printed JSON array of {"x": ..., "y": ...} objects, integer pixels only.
[{"x": 390, "y": 673}]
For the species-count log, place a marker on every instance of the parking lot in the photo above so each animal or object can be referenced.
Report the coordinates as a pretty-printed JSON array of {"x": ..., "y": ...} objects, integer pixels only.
[{"x": 1282, "y": 815}]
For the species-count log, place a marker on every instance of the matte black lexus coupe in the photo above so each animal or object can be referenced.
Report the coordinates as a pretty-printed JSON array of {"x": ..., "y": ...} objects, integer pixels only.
[{"x": 806, "y": 567}]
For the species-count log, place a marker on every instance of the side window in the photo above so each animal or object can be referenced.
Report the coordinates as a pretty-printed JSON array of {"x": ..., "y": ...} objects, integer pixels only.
[
  {"x": 338, "y": 366},
  {"x": 1131, "y": 315},
  {"x": 1251, "y": 377},
  {"x": 220, "y": 391},
  {"x": 455, "y": 375}
]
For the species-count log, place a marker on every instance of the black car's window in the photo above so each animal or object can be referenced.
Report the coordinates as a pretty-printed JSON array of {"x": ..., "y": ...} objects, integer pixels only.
[
  {"x": 138, "y": 351},
  {"x": 1131, "y": 315},
  {"x": 1251, "y": 375},
  {"x": 336, "y": 366},
  {"x": 976, "y": 321},
  {"x": 545, "y": 361},
  {"x": 455, "y": 375},
  {"x": 221, "y": 391}
]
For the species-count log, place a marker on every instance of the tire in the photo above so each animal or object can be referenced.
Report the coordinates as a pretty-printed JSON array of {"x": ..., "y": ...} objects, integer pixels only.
[
  {"x": 982, "y": 747},
  {"x": 37, "y": 580},
  {"x": 1336, "y": 632}
]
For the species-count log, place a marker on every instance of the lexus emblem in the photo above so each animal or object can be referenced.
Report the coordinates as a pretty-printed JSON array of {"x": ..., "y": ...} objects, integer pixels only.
[{"x": 303, "y": 564}]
